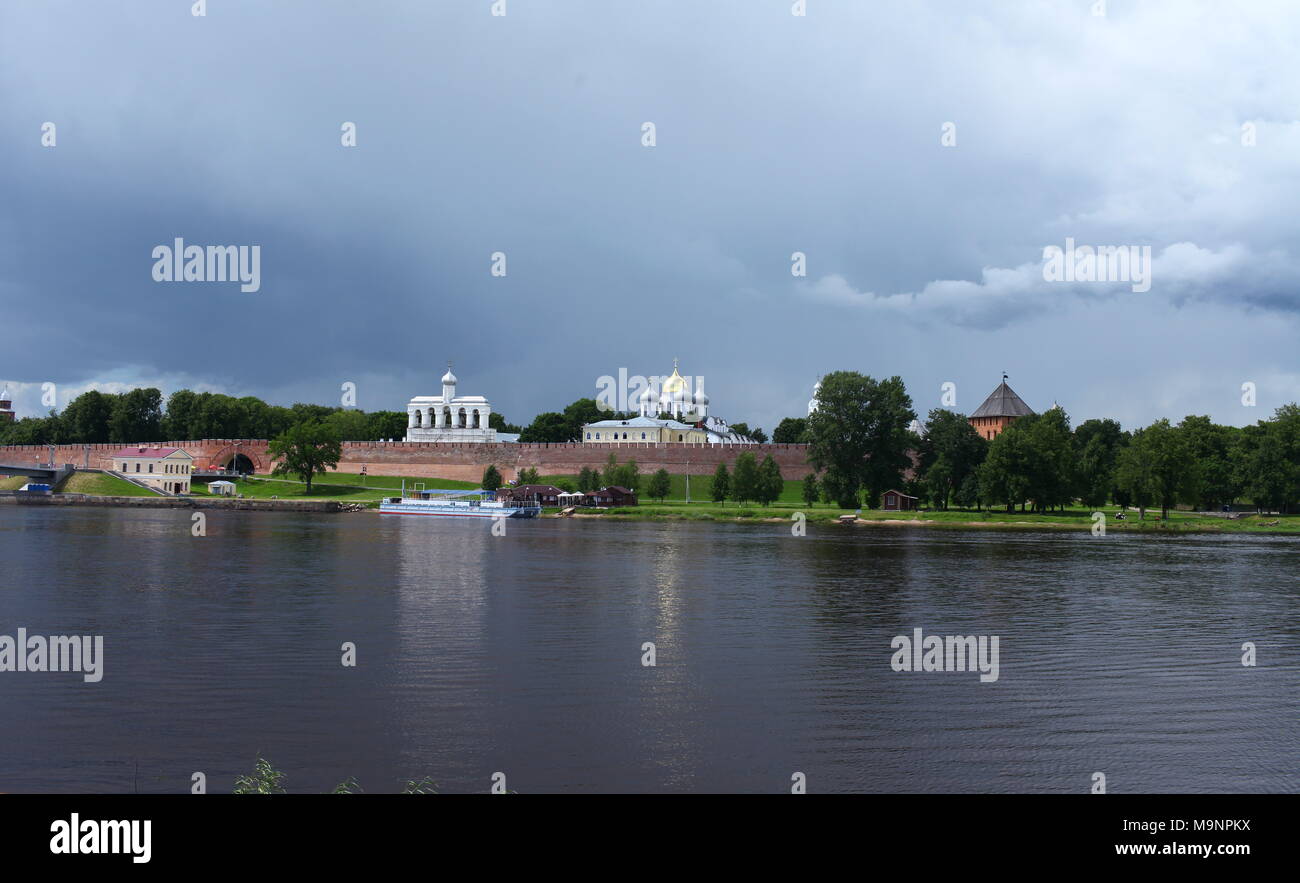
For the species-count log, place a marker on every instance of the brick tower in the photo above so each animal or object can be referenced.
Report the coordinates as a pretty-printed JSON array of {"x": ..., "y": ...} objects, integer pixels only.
[{"x": 999, "y": 411}]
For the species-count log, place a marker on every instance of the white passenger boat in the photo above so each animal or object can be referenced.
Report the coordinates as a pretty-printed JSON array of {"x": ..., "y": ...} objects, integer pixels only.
[{"x": 477, "y": 503}]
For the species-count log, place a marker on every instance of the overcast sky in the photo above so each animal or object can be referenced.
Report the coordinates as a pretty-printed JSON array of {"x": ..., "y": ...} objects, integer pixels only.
[{"x": 774, "y": 134}]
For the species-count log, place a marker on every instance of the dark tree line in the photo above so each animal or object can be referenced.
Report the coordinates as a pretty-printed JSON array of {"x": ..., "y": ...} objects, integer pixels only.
[
  {"x": 138, "y": 415},
  {"x": 1038, "y": 463},
  {"x": 860, "y": 445}
]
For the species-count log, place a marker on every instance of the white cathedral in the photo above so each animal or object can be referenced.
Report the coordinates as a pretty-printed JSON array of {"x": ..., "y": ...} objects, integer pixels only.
[
  {"x": 687, "y": 418},
  {"x": 449, "y": 417}
]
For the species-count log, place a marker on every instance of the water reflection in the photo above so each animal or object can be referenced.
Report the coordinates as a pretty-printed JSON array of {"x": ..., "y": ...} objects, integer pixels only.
[{"x": 522, "y": 654}]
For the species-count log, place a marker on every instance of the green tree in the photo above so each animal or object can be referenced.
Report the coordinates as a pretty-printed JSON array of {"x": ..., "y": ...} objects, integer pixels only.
[
  {"x": 214, "y": 414},
  {"x": 1096, "y": 444},
  {"x": 937, "y": 483},
  {"x": 498, "y": 422},
  {"x": 351, "y": 425},
  {"x": 1268, "y": 477},
  {"x": 721, "y": 485},
  {"x": 1134, "y": 471},
  {"x": 529, "y": 475},
  {"x": 1004, "y": 474},
  {"x": 385, "y": 424},
  {"x": 1050, "y": 462},
  {"x": 811, "y": 490},
  {"x": 34, "y": 431},
  {"x": 304, "y": 412},
  {"x": 743, "y": 429},
  {"x": 1212, "y": 448},
  {"x": 86, "y": 418},
  {"x": 491, "y": 478},
  {"x": 547, "y": 427},
  {"x": 659, "y": 486},
  {"x": 745, "y": 480},
  {"x": 578, "y": 414},
  {"x": 790, "y": 431},
  {"x": 1157, "y": 467},
  {"x": 588, "y": 479},
  {"x": 182, "y": 406},
  {"x": 137, "y": 416},
  {"x": 770, "y": 483},
  {"x": 950, "y": 450},
  {"x": 968, "y": 495},
  {"x": 306, "y": 450},
  {"x": 626, "y": 475},
  {"x": 858, "y": 437},
  {"x": 1177, "y": 474}
]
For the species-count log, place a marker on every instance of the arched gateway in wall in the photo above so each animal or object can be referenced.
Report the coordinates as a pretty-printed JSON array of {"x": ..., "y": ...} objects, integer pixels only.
[{"x": 241, "y": 458}]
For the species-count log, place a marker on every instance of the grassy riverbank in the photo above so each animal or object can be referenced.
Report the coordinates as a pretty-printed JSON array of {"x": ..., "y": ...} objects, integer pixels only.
[
  {"x": 345, "y": 487},
  {"x": 349, "y": 487},
  {"x": 1073, "y": 519},
  {"x": 101, "y": 484}
]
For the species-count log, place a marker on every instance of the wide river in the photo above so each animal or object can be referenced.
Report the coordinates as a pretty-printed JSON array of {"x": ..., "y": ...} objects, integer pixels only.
[{"x": 523, "y": 654}]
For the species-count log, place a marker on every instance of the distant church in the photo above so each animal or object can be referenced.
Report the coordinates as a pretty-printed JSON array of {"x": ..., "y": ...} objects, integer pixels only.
[
  {"x": 688, "y": 420},
  {"x": 999, "y": 411},
  {"x": 449, "y": 417}
]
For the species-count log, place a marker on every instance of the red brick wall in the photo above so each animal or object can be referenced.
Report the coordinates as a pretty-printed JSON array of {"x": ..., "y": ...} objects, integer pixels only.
[{"x": 462, "y": 462}]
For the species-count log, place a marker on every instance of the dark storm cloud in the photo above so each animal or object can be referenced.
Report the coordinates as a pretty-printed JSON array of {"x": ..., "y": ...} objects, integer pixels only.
[{"x": 522, "y": 134}]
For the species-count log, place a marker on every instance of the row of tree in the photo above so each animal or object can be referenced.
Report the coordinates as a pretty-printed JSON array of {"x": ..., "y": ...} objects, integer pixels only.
[
  {"x": 1039, "y": 462},
  {"x": 860, "y": 445},
  {"x": 751, "y": 480},
  {"x": 96, "y": 417},
  {"x": 138, "y": 415}
]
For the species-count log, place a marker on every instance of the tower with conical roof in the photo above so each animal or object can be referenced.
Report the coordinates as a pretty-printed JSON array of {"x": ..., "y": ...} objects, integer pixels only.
[
  {"x": 999, "y": 411},
  {"x": 6, "y": 407}
]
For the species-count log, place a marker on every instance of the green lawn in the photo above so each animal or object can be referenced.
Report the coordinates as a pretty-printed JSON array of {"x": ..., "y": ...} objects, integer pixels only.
[
  {"x": 348, "y": 486},
  {"x": 393, "y": 482},
  {"x": 1073, "y": 519},
  {"x": 334, "y": 486},
  {"x": 101, "y": 484},
  {"x": 701, "y": 487},
  {"x": 14, "y": 483}
]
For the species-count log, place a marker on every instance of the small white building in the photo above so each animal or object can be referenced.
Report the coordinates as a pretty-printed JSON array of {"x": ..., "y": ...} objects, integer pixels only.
[
  {"x": 222, "y": 488},
  {"x": 449, "y": 417},
  {"x": 167, "y": 469}
]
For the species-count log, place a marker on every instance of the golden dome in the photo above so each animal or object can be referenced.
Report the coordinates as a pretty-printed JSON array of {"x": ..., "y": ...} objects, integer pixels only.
[{"x": 675, "y": 384}]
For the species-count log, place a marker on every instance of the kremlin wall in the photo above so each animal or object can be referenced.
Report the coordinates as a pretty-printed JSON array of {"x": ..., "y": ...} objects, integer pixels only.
[{"x": 460, "y": 462}]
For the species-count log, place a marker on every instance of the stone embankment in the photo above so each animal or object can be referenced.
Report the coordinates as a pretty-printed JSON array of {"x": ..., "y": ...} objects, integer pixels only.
[{"x": 181, "y": 503}]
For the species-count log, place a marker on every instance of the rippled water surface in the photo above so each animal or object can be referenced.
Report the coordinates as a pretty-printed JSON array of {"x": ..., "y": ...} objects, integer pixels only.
[{"x": 522, "y": 654}]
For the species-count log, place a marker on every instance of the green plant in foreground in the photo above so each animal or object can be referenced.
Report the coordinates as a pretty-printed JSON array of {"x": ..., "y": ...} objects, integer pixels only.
[
  {"x": 423, "y": 786},
  {"x": 265, "y": 779},
  {"x": 347, "y": 786}
]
